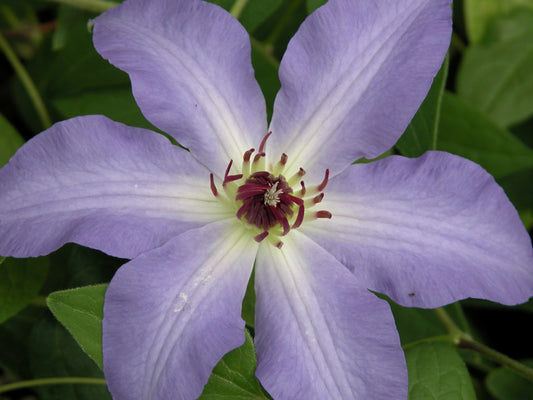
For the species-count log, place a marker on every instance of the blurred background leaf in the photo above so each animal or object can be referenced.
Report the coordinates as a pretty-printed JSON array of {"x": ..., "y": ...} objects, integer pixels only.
[
  {"x": 482, "y": 110},
  {"x": 10, "y": 140},
  {"x": 479, "y": 13},
  {"x": 495, "y": 75},
  {"x": 20, "y": 282},
  {"x": 504, "y": 384},
  {"x": 437, "y": 372}
]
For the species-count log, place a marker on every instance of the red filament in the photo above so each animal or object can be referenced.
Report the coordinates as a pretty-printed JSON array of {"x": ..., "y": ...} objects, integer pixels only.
[{"x": 213, "y": 187}]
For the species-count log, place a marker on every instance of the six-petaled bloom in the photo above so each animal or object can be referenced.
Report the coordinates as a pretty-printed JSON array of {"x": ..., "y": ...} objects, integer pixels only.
[{"x": 286, "y": 198}]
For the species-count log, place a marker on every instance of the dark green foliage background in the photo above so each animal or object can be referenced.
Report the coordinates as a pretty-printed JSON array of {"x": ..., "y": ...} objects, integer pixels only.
[{"x": 480, "y": 107}]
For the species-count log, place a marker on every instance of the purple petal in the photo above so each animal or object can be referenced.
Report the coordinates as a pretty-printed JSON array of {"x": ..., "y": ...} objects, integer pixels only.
[
  {"x": 353, "y": 77},
  {"x": 101, "y": 184},
  {"x": 427, "y": 231},
  {"x": 172, "y": 313},
  {"x": 319, "y": 334},
  {"x": 191, "y": 73}
]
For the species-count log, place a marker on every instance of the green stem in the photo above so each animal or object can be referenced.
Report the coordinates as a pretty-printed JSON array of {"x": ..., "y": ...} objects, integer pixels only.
[
  {"x": 502, "y": 359},
  {"x": 266, "y": 51},
  {"x": 461, "y": 318},
  {"x": 90, "y": 5},
  {"x": 432, "y": 339},
  {"x": 449, "y": 324},
  {"x": 27, "y": 82},
  {"x": 237, "y": 8},
  {"x": 464, "y": 341},
  {"x": 51, "y": 381},
  {"x": 285, "y": 18}
]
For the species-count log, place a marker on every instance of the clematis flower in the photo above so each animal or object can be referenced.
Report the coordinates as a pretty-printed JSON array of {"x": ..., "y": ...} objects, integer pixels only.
[{"x": 321, "y": 231}]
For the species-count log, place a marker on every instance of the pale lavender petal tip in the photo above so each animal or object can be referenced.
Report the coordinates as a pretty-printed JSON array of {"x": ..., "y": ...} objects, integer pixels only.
[
  {"x": 101, "y": 184},
  {"x": 319, "y": 333},
  {"x": 427, "y": 231},
  {"x": 189, "y": 62},
  {"x": 173, "y": 312},
  {"x": 352, "y": 78}
]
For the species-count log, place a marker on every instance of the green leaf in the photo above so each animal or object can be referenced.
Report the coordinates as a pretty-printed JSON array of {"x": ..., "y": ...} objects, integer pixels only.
[
  {"x": 312, "y": 5},
  {"x": 255, "y": 12},
  {"x": 77, "y": 67},
  {"x": 10, "y": 140},
  {"x": 436, "y": 372},
  {"x": 504, "y": 384},
  {"x": 481, "y": 391},
  {"x": 518, "y": 187},
  {"x": 74, "y": 266},
  {"x": 266, "y": 72},
  {"x": 20, "y": 282},
  {"x": 479, "y": 13},
  {"x": 73, "y": 69},
  {"x": 469, "y": 133},
  {"x": 495, "y": 76},
  {"x": 116, "y": 103},
  {"x": 234, "y": 376},
  {"x": 14, "y": 338},
  {"x": 415, "y": 324},
  {"x": 248, "y": 303},
  {"x": 422, "y": 133},
  {"x": 81, "y": 312},
  {"x": 54, "y": 353}
]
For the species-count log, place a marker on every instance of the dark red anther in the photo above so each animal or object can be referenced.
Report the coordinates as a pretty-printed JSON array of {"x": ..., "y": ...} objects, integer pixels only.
[
  {"x": 247, "y": 155},
  {"x": 263, "y": 142},
  {"x": 303, "y": 190},
  {"x": 323, "y": 214},
  {"x": 283, "y": 207},
  {"x": 241, "y": 211},
  {"x": 301, "y": 172},
  {"x": 296, "y": 200},
  {"x": 281, "y": 219},
  {"x": 248, "y": 190},
  {"x": 318, "y": 199},
  {"x": 259, "y": 238},
  {"x": 227, "y": 169},
  {"x": 213, "y": 187},
  {"x": 230, "y": 178},
  {"x": 279, "y": 245},
  {"x": 322, "y": 186},
  {"x": 258, "y": 156},
  {"x": 283, "y": 159},
  {"x": 264, "y": 175},
  {"x": 299, "y": 217}
]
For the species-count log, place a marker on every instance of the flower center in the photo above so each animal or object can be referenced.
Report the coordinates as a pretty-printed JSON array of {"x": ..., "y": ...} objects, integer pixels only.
[{"x": 265, "y": 199}]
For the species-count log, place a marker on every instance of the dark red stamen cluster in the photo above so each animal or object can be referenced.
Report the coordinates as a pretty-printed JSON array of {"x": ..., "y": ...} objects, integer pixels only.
[{"x": 267, "y": 201}]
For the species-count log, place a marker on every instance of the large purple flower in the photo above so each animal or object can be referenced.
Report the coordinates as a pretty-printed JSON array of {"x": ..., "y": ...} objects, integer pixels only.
[{"x": 425, "y": 231}]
